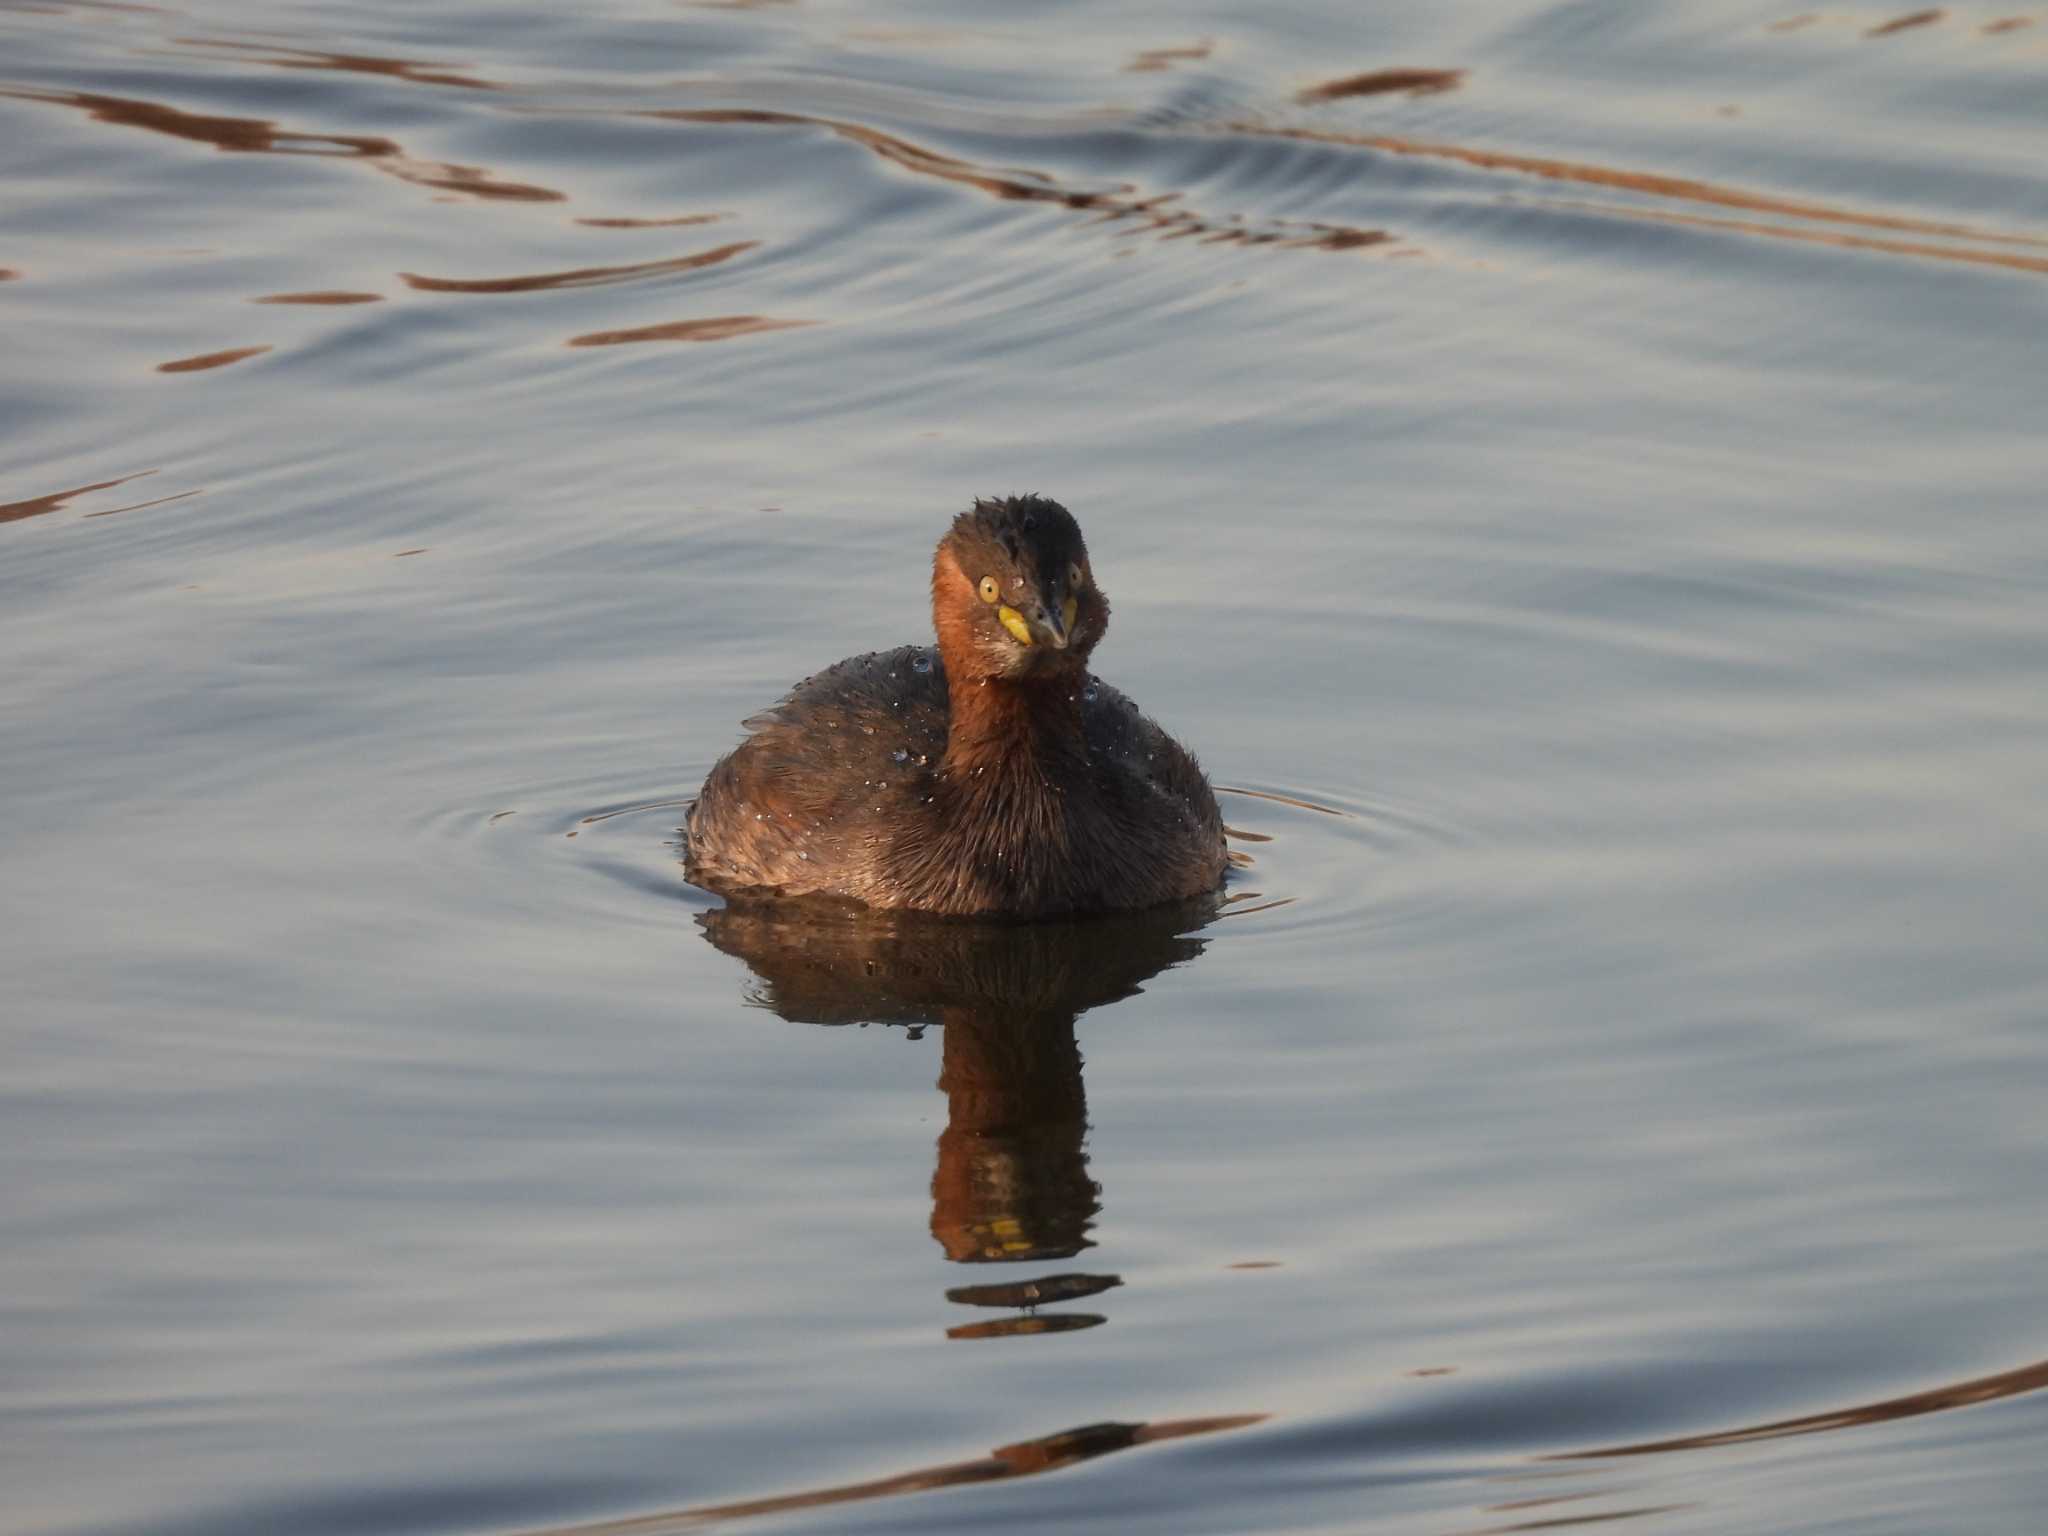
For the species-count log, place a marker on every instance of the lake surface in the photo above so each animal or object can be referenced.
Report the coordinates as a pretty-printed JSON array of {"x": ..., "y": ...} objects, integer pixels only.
[{"x": 1574, "y": 473}]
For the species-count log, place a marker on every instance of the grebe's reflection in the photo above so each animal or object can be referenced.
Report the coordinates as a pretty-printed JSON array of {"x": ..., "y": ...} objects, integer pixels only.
[{"x": 1012, "y": 1184}]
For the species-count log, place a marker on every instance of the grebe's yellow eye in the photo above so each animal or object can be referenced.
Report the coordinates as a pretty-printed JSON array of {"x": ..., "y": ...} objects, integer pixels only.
[
  {"x": 1076, "y": 577},
  {"x": 989, "y": 590}
]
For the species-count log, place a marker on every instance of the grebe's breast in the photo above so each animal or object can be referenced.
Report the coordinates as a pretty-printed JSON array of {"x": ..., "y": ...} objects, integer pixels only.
[{"x": 843, "y": 789}]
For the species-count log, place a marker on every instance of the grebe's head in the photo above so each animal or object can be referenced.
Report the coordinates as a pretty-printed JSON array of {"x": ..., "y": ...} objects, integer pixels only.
[{"x": 1012, "y": 592}]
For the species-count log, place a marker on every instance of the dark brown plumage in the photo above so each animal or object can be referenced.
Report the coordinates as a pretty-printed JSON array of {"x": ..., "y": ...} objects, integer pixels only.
[{"x": 994, "y": 776}]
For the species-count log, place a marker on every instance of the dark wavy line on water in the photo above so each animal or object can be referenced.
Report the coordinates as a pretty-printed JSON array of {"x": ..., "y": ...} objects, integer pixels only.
[
  {"x": 1026, "y": 1458},
  {"x": 633, "y": 223},
  {"x": 1684, "y": 189},
  {"x": 261, "y": 135},
  {"x": 140, "y": 506},
  {"x": 1962, "y": 1394},
  {"x": 578, "y": 277},
  {"x": 1159, "y": 214},
  {"x": 1385, "y": 82},
  {"x": 1152, "y": 61},
  {"x": 231, "y": 135},
  {"x": 2005, "y": 259},
  {"x": 210, "y": 360},
  {"x": 320, "y": 296},
  {"x": 1566, "y": 1522},
  {"x": 711, "y": 328},
  {"x": 279, "y": 56},
  {"x": 37, "y": 506},
  {"x": 1906, "y": 23}
]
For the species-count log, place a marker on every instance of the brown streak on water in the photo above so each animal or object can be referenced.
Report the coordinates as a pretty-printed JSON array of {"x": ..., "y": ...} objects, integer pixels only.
[
  {"x": 1333, "y": 237},
  {"x": 322, "y": 296},
  {"x": 1568, "y": 1521},
  {"x": 1382, "y": 82},
  {"x": 1025, "y": 1458},
  {"x": 577, "y": 277},
  {"x": 1030, "y": 1326},
  {"x": 259, "y": 135},
  {"x": 232, "y": 135},
  {"x": 1046, "y": 1290},
  {"x": 1153, "y": 60},
  {"x": 465, "y": 180},
  {"x": 1029, "y": 186},
  {"x": 717, "y": 328},
  {"x": 1962, "y": 1394},
  {"x": 2005, "y": 259},
  {"x": 1903, "y": 23},
  {"x": 36, "y": 506},
  {"x": 1653, "y": 184},
  {"x": 415, "y": 71},
  {"x": 138, "y": 506},
  {"x": 207, "y": 360},
  {"x": 677, "y": 223}
]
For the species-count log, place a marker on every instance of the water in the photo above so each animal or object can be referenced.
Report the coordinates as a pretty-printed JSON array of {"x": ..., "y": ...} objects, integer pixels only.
[{"x": 1581, "y": 493}]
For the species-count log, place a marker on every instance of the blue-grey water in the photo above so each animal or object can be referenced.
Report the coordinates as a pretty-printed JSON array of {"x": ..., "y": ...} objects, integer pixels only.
[{"x": 1573, "y": 471}]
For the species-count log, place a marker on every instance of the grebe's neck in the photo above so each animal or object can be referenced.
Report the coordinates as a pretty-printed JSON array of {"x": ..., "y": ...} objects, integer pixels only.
[{"x": 1012, "y": 726}]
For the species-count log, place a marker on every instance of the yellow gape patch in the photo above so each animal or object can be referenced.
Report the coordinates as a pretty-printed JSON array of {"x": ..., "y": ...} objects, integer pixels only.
[
  {"x": 1067, "y": 611},
  {"x": 1013, "y": 621}
]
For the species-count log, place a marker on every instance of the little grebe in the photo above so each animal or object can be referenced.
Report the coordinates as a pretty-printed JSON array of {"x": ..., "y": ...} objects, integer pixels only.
[{"x": 1004, "y": 780}]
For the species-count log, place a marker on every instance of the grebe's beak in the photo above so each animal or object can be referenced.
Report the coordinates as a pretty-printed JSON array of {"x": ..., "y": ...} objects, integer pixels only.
[
  {"x": 1055, "y": 614},
  {"x": 1055, "y": 625}
]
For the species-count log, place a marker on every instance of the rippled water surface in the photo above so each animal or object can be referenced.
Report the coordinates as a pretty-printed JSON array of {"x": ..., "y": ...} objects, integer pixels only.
[{"x": 1573, "y": 471}]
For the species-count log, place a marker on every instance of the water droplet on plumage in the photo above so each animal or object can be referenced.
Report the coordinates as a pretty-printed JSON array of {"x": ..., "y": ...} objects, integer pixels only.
[{"x": 899, "y": 756}]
